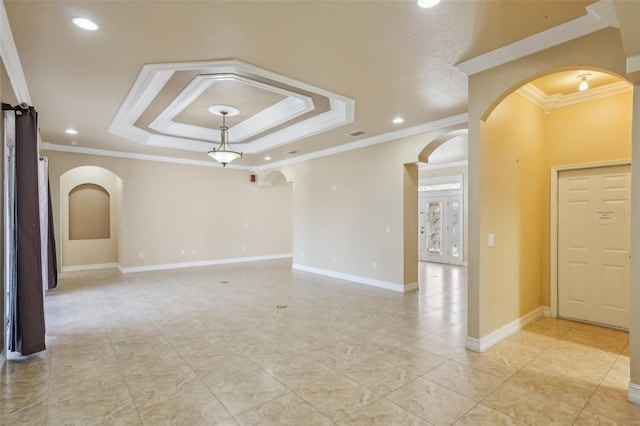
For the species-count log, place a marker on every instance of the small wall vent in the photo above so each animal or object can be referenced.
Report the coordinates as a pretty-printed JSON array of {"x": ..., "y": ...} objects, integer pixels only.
[{"x": 356, "y": 133}]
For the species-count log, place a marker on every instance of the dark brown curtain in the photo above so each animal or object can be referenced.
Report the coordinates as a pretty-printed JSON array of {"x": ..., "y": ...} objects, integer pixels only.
[
  {"x": 52, "y": 279},
  {"x": 29, "y": 316}
]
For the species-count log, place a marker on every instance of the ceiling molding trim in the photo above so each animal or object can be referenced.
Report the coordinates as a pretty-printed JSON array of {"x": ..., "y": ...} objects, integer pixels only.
[
  {"x": 548, "y": 102},
  {"x": 341, "y": 112},
  {"x": 448, "y": 165},
  {"x": 153, "y": 77},
  {"x": 533, "y": 95},
  {"x": 144, "y": 90},
  {"x": 291, "y": 107},
  {"x": 633, "y": 64},
  {"x": 374, "y": 140},
  {"x": 595, "y": 93},
  {"x": 599, "y": 15},
  {"x": 134, "y": 156},
  {"x": 11, "y": 59}
]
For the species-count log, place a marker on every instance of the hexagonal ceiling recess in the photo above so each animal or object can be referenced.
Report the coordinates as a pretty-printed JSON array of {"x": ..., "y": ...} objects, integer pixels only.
[{"x": 168, "y": 107}]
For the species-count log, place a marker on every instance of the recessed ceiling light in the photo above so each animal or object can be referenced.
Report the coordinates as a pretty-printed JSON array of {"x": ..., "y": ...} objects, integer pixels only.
[
  {"x": 427, "y": 3},
  {"x": 74, "y": 143},
  {"x": 398, "y": 120},
  {"x": 267, "y": 158},
  {"x": 85, "y": 24},
  {"x": 71, "y": 131}
]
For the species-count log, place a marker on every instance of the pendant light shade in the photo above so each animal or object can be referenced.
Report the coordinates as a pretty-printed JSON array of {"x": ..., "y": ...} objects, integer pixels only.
[{"x": 224, "y": 154}]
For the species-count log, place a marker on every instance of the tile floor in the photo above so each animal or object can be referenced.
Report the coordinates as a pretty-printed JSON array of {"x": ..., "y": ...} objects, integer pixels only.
[{"x": 209, "y": 346}]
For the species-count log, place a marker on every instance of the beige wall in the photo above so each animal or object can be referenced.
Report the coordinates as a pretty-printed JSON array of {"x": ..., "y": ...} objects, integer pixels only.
[
  {"x": 489, "y": 307},
  {"x": 210, "y": 213},
  {"x": 513, "y": 138},
  {"x": 344, "y": 204}
]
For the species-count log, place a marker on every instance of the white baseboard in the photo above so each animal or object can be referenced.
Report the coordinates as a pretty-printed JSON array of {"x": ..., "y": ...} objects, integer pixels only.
[
  {"x": 484, "y": 343},
  {"x": 358, "y": 279},
  {"x": 147, "y": 268},
  {"x": 546, "y": 311},
  {"x": 634, "y": 393},
  {"x": 77, "y": 268}
]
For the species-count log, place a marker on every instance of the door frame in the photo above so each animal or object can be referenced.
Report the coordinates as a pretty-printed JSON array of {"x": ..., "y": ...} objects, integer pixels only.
[{"x": 553, "y": 222}]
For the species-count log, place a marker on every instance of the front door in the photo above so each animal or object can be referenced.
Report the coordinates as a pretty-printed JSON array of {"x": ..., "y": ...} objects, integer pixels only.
[
  {"x": 440, "y": 229},
  {"x": 593, "y": 245}
]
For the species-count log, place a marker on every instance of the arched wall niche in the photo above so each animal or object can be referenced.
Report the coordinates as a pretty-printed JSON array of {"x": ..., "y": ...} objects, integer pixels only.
[
  {"x": 272, "y": 178},
  {"x": 99, "y": 192},
  {"x": 89, "y": 212}
]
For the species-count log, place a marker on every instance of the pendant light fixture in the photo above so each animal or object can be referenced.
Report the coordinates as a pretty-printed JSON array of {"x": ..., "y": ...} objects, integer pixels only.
[
  {"x": 224, "y": 154},
  {"x": 584, "y": 84}
]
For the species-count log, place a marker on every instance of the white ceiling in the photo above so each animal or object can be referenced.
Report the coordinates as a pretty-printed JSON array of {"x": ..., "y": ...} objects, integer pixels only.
[{"x": 304, "y": 75}]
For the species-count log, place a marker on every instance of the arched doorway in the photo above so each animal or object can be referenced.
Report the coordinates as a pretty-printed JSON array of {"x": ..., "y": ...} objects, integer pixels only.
[
  {"x": 90, "y": 200},
  {"x": 442, "y": 195}
]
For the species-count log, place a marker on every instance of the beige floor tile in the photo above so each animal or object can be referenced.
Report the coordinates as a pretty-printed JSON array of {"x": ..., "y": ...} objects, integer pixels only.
[
  {"x": 591, "y": 418},
  {"x": 339, "y": 355},
  {"x": 181, "y": 344},
  {"x": 604, "y": 339},
  {"x": 413, "y": 359},
  {"x": 613, "y": 403},
  {"x": 432, "y": 402},
  {"x": 441, "y": 346},
  {"x": 336, "y": 396},
  {"x": 228, "y": 422},
  {"x": 456, "y": 332},
  {"x": 495, "y": 364},
  {"x": 92, "y": 408},
  {"x": 272, "y": 353},
  {"x": 568, "y": 388},
  {"x": 382, "y": 413},
  {"x": 299, "y": 371},
  {"x": 218, "y": 368},
  {"x": 483, "y": 415},
  {"x": 246, "y": 391},
  {"x": 378, "y": 375},
  {"x": 531, "y": 407},
  {"x": 286, "y": 410},
  {"x": 191, "y": 403},
  {"x": 23, "y": 408},
  {"x": 464, "y": 380}
]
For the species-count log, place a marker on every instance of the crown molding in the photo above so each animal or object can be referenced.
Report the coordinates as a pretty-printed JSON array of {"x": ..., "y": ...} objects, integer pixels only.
[
  {"x": 135, "y": 156},
  {"x": 548, "y": 102},
  {"x": 374, "y": 140},
  {"x": 599, "y": 15},
  {"x": 11, "y": 59},
  {"x": 410, "y": 131}
]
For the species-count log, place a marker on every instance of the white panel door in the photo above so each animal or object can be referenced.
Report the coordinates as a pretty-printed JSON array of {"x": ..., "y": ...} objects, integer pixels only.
[{"x": 593, "y": 245}]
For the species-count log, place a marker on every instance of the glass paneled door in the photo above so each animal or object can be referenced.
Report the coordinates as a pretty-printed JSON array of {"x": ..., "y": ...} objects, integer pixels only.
[{"x": 441, "y": 229}]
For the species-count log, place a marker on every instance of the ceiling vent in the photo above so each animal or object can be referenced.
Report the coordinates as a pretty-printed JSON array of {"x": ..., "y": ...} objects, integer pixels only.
[{"x": 356, "y": 133}]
